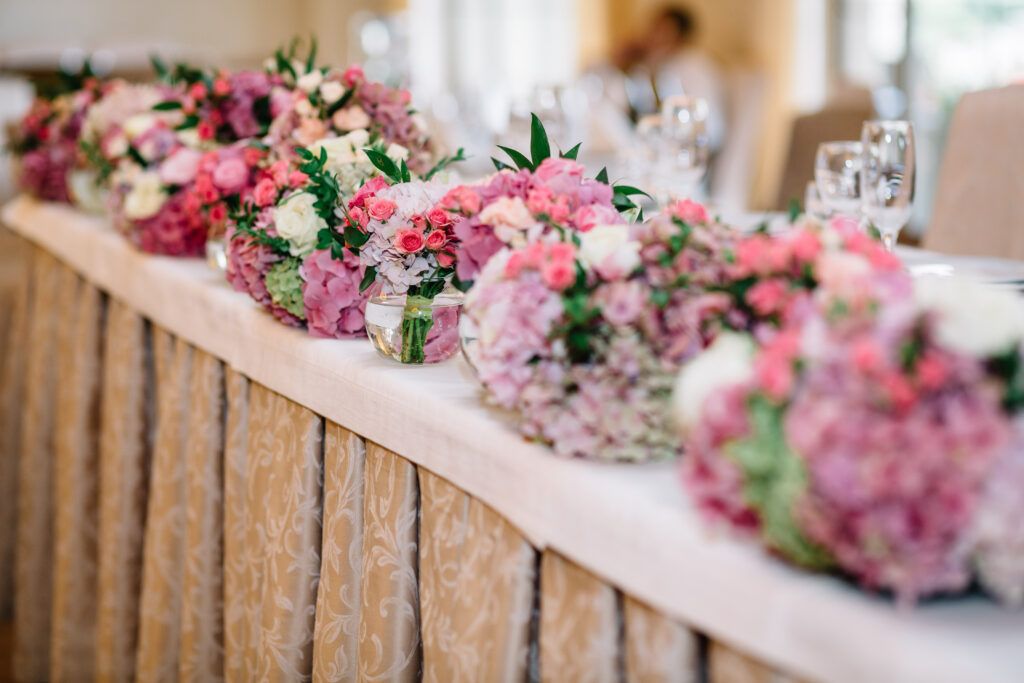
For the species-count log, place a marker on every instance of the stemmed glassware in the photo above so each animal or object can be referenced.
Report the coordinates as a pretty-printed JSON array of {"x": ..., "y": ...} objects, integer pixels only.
[
  {"x": 887, "y": 177},
  {"x": 684, "y": 121},
  {"x": 837, "y": 168}
]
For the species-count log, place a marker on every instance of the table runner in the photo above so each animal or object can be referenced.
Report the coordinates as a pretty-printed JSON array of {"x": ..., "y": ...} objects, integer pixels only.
[{"x": 629, "y": 526}]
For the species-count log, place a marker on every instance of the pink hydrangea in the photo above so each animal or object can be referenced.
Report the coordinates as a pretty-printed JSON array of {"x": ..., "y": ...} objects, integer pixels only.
[
  {"x": 247, "y": 264},
  {"x": 177, "y": 229},
  {"x": 333, "y": 302}
]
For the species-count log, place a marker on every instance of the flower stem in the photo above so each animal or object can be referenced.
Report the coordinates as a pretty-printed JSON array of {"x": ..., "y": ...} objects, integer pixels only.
[{"x": 417, "y": 319}]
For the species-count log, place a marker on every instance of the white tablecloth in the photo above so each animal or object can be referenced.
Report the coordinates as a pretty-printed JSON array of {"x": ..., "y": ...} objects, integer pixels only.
[{"x": 629, "y": 524}]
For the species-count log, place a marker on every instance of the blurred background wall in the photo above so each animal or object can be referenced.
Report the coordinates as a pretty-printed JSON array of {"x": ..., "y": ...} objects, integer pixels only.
[{"x": 791, "y": 70}]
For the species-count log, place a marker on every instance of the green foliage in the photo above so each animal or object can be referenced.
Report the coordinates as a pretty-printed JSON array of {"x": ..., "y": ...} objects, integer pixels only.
[
  {"x": 573, "y": 152},
  {"x": 396, "y": 173},
  {"x": 774, "y": 482},
  {"x": 368, "y": 278},
  {"x": 94, "y": 157},
  {"x": 540, "y": 147},
  {"x": 794, "y": 209},
  {"x": 167, "y": 105},
  {"x": 445, "y": 162},
  {"x": 323, "y": 184}
]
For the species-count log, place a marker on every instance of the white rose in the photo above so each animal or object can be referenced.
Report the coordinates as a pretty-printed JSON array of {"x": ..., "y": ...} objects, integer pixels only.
[
  {"x": 727, "y": 362},
  {"x": 971, "y": 317},
  {"x": 136, "y": 125},
  {"x": 310, "y": 81},
  {"x": 270, "y": 64},
  {"x": 608, "y": 250},
  {"x": 190, "y": 138},
  {"x": 146, "y": 196},
  {"x": 298, "y": 222},
  {"x": 331, "y": 91},
  {"x": 343, "y": 150},
  {"x": 116, "y": 146}
]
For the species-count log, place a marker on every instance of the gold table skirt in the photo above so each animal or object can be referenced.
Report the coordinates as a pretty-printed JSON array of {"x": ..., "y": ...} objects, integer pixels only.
[{"x": 176, "y": 520}]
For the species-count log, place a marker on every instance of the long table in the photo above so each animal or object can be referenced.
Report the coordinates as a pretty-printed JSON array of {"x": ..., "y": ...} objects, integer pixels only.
[{"x": 628, "y": 528}]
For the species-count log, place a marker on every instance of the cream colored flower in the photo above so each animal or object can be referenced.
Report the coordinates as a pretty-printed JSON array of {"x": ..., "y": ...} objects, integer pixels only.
[
  {"x": 608, "y": 250},
  {"x": 351, "y": 118},
  {"x": 146, "y": 196},
  {"x": 309, "y": 82},
  {"x": 971, "y": 317},
  {"x": 298, "y": 222},
  {"x": 138, "y": 124},
  {"x": 331, "y": 91},
  {"x": 727, "y": 362}
]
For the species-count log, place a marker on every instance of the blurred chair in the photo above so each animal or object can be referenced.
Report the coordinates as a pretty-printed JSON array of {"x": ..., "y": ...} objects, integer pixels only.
[
  {"x": 837, "y": 121},
  {"x": 979, "y": 202},
  {"x": 735, "y": 165}
]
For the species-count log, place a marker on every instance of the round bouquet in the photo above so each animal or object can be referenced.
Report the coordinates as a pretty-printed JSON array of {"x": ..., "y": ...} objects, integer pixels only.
[
  {"x": 541, "y": 196},
  {"x": 584, "y": 342},
  {"x": 864, "y": 438},
  {"x": 317, "y": 103},
  {"x": 102, "y": 142},
  {"x": 151, "y": 199},
  {"x": 45, "y": 141}
]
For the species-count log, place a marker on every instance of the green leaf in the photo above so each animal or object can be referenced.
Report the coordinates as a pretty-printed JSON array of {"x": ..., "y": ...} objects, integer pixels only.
[
  {"x": 135, "y": 156},
  {"x": 384, "y": 164},
  {"x": 341, "y": 102},
  {"x": 445, "y": 162},
  {"x": 520, "y": 159},
  {"x": 368, "y": 277},
  {"x": 284, "y": 66},
  {"x": 169, "y": 105},
  {"x": 659, "y": 298},
  {"x": 404, "y": 168},
  {"x": 629, "y": 190},
  {"x": 355, "y": 237},
  {"x": 794, "y": 209},
  {"x": 573, "y": 152},
  {"x": 501, "y": 165},
  {"x": 540, "y": 148},
  {"x": 159, "y": 67},
  {"x": 602, "y": 176},
  {"x": 190, "y": 121},
  {"x": 311, "y": 59}
]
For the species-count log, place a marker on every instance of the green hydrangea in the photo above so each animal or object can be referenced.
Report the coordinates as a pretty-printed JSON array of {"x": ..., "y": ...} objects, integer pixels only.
[{"x": 285, "y": 286}]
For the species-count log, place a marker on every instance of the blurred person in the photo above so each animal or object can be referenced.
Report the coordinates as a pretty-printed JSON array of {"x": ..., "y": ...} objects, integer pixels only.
[{"x": 678, "y": 66}]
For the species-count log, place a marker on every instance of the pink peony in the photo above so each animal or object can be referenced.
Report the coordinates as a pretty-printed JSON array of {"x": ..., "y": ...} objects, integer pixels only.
[
  {"x": 230, "y": 175},
  {"x": 180, "y": 167}
]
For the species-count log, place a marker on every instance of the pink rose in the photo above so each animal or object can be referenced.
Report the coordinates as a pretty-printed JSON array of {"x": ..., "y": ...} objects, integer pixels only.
[
  {"x": 562, "y": 252},
  {"x": 359, "y": 215},
  {"x": 409, "y": 241},
  {"x": 558, "y": 275},
  {"x": 767, "y": 296},
  {"x": 230, "y": 175},
  {"x": 353, "y": 76},
  {"x": 689, "y": 211},
  {"x": 436, "y": 239},
  {"x": 463, "y": 199},
  {"x": 180, "y": 168},
  {"x": 445, "y": 259},
  {"x": 438, "y": 217},
  {"x": 586, "y": 217},
  {"x": 380, "y": 209},
  {"x": 369, "y": 188},
  {"x": 514, "y": 265},
  {"x": 297, "y": 178},
  {"x": 805, "y": 246},
  {"x": 265, "y": 192},
  {"x": 866, "y": 355}
]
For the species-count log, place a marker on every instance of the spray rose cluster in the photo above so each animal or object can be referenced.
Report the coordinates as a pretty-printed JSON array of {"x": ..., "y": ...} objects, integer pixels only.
[{"x": 863, "y": 428}]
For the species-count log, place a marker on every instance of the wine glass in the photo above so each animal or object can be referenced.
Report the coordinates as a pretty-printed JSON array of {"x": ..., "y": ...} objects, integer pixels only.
[
  {"x": 887, "y": 179},
  {"x": 649, "y": 166},
  {"x": 684, "y": 122},
  {"x": 836, "y": 173}
]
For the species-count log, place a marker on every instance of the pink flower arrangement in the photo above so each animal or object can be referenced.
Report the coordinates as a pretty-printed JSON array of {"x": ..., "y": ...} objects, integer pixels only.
[
  {"x": 584, "y": 343},
  {"x": 855, "y": 438},
  {"x": 228, "y": 177},
  {"x": 513, "y": 208},
  {"x": 250, "y": 256}
]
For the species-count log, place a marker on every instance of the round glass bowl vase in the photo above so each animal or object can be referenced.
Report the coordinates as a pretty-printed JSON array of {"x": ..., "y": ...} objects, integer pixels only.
[
  {"x": 414, "y": 330},
  {"x": 216, "y": 254}
]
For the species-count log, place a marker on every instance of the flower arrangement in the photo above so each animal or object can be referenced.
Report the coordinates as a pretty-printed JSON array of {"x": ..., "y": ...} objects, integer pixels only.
[
  {"x": 541, "y": 196},
  {"x": 867, "y": 440},
  {"x": 45, "y": 140},
  {"x": 582, "y": 338},
  {"x": 151, "y": 199},
  {"x": 228, "y": 176}
]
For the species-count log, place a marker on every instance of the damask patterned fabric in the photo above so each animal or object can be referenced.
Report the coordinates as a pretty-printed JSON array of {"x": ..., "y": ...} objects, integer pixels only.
[
  {"x": 338, "y": 603},
  {"x": 76, "y": 487},
  {"x": 579, "y": 624},
  {"x": 389, "y": 643},
  {"x": 15, "y": 295},
  {"x": 281, "y": 553},
  {"x": 163, "y": 562},
  {"x": 126, "y": 416},
  {"x": 726, "y": 665},
  {"x": 658, "y": 650},
  {"x": 54, "y": 291},
  {"x": 476, "y": 589},
  {"x": 236, "y": 624}
]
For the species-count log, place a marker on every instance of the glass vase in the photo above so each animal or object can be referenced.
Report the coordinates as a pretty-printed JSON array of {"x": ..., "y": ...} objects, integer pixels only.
[{"x": 415, "y": 330}]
